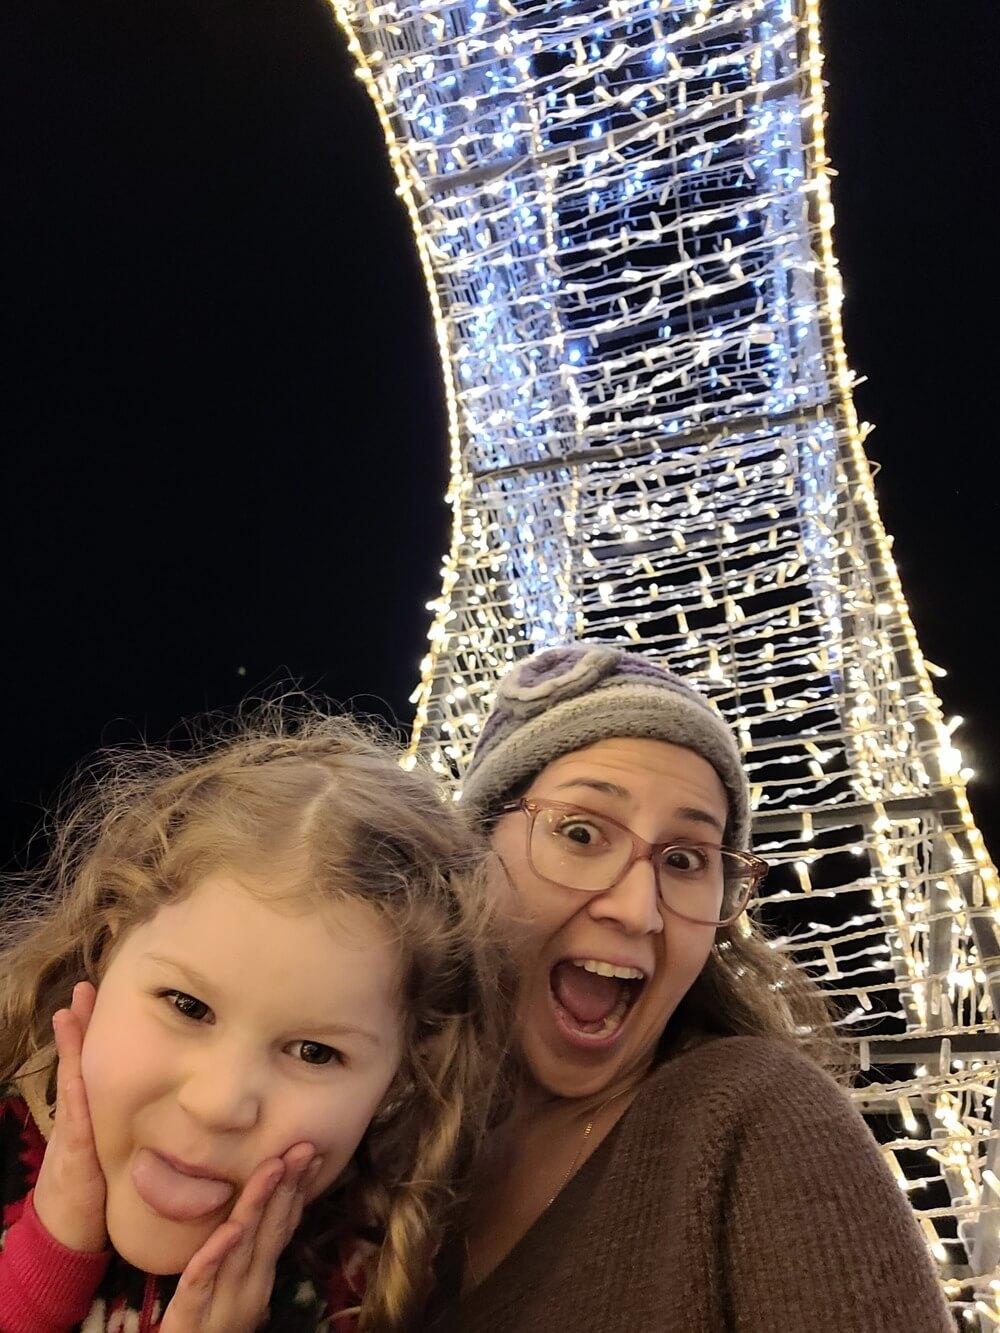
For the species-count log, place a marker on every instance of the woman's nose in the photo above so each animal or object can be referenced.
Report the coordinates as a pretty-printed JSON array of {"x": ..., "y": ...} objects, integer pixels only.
[
  {"x": 222, "y": 1092},
  {"x": 633, "y": 904}
]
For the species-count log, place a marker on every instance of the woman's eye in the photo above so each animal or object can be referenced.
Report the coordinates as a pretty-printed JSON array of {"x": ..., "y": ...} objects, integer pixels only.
[
  {"x": 187, "y": 1005},
  {"x": 684, "y": 859},
  {"x": 580, "y": 832},
  {"x": 315, "y": 1053}
]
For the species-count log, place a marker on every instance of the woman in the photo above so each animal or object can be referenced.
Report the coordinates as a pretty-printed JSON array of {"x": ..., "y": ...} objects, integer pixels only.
[{"x": 677, "y": 1160}]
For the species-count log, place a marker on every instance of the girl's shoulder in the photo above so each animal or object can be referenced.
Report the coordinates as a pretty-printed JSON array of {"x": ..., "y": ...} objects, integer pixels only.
[
  {"x": 21, "y": 1150},
  {"x": 304, "y": 1304},
  {"x": 348, "y": 1283}
]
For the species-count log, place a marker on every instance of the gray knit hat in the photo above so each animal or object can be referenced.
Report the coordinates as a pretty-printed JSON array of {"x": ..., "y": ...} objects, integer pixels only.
[{"x": 563, "y": 699}]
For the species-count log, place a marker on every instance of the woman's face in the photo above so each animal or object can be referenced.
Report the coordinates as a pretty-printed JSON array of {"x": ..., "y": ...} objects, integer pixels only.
[
  {"x": 660, "y": 791},
  {"x": 226, "y": 1030}
]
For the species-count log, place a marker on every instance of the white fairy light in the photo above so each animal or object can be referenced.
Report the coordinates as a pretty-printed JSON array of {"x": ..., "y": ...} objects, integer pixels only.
[{"x": 624, "y": 220}]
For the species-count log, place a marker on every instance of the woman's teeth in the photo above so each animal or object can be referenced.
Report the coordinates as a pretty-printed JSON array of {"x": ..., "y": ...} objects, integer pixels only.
[
  {"x": 608, "y": 969},
  {"x": 615, "y": 1019}
]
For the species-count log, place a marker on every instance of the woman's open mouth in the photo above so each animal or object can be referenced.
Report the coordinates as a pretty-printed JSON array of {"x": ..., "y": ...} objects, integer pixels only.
[{"x": 592, "y": 999}]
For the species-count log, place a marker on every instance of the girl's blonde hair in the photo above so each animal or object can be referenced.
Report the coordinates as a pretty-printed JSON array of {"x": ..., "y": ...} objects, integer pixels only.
[{"x": 324, "y": 800}]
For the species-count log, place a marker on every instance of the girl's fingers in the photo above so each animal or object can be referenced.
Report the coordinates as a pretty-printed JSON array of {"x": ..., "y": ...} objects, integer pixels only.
[
  {"x": 248, "y": 1211},
  {"x": 72, "y": 1110},
  {"x": 79, "y": 1126},
  {"x": 192, "y": 1299},
  {"x": 236, "y": 1264},
  {"x": 82, "y": 1005},
  {"x": 70, "y": 1026},
  {"x": 284, "y": 1209},
  {"x": 65, "y": 1030}
]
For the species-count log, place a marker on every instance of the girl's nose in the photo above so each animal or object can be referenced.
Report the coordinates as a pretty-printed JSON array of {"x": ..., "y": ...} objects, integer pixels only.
[
  {"x": 633, "y": 904},
  {"x": 222, "y": 1093}
]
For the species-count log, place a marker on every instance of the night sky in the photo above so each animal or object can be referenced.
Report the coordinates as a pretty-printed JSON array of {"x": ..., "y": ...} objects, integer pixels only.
[{"x": 224, "y": 437}]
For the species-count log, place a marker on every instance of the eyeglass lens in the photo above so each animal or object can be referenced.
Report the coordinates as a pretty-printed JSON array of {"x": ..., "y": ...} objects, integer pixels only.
[{"x": 581, "y": 850}]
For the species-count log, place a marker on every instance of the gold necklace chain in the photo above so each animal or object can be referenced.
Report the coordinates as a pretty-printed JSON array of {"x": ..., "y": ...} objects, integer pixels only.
[
  {"x": 579, "y": 1152},
  {"x": 591, "y": 1123}
]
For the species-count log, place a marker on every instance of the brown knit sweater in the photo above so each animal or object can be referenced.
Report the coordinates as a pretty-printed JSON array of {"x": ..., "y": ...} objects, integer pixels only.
[{"x": 740, "y": 1191}]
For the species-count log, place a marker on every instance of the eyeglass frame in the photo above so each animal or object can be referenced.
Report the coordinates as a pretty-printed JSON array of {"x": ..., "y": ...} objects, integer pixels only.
[{"x": 641, "y": 851}]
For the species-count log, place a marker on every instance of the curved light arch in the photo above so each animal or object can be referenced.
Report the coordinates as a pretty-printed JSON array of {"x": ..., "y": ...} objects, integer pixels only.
[{"x": 622, "y": 209}]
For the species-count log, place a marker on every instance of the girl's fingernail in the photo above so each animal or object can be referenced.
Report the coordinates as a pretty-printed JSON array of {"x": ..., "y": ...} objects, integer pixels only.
[{"x": 312, "y": 1170}]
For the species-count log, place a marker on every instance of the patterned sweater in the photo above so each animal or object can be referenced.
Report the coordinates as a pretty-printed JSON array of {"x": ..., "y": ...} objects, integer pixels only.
[{"x": 46, "y": 1288}]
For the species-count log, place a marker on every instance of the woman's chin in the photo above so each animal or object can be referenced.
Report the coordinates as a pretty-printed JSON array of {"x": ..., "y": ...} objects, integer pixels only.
[{"x": 569, "y": 1073}]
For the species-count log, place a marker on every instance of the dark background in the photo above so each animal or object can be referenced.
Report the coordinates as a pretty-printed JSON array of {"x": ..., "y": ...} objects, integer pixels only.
[{"x": 224, "y": 447}]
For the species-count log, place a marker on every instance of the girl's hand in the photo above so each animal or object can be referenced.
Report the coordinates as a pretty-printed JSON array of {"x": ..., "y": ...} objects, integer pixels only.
[
  {"x": 70, "y": 1192},
  {"x": 226, "y": 1286}
]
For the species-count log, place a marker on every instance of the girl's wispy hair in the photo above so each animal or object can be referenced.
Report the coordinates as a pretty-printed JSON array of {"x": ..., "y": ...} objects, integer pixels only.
[{"x": 315, "y": 807}]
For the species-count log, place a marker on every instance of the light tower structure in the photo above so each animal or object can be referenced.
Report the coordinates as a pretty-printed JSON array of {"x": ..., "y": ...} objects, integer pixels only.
[{"x": 622, "y": 209}]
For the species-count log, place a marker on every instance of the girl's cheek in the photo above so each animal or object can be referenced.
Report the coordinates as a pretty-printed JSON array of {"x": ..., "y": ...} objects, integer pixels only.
[
  {"x": 122, "y": 1053},
  {"x": 337, "y": 1128},
  {"x": 97, "y": 1059}
]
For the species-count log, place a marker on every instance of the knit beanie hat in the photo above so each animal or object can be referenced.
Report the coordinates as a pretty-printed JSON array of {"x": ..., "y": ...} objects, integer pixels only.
[{"x": 563, "y": 699}]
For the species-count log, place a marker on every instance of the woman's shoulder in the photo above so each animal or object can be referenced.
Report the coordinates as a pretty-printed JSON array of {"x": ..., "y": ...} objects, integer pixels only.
[
  {"x": 746, "y": 1103},
  {"x": 740, "y": 1074}
]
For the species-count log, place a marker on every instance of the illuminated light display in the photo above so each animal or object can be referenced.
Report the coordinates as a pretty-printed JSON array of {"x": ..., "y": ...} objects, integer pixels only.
[{"x": 622, "y": 209}]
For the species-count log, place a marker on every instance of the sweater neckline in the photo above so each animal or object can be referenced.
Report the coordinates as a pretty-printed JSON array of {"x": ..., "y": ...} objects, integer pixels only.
[{"x": 566, "y": 1198}]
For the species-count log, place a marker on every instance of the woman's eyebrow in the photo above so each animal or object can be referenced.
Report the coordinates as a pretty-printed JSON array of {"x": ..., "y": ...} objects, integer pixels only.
[
  {"x": 691, "y": 812},
  {"x": 596, "y": 784},
  {"x": 701, "y": 817}
]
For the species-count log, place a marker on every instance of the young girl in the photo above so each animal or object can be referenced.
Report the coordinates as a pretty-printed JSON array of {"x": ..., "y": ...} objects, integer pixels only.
[{"x": 270, "y": 970}]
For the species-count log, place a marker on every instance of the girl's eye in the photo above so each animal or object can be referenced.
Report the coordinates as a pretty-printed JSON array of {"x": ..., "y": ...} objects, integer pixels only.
[
  {"x": 315, "y": 1053},
  {"x": 187, "y": 1005},
  {"x": 687, "y": 860}
]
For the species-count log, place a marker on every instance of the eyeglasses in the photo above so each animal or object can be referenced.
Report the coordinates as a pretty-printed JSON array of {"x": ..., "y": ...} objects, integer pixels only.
[{"x": 581, "y": 849}]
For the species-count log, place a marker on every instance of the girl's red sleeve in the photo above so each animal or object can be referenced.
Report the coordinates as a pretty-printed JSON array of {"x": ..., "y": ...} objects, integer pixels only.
[{"x": 44, "y": 1287}]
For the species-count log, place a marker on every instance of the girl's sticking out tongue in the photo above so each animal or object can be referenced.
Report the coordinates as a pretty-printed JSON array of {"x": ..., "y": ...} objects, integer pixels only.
[{"x": 174, "y": 1194}]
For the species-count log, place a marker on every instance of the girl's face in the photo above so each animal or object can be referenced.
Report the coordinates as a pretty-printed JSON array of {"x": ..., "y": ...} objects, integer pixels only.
[
  {"x": 575, "y": 1037},
  {"x": 227, "y": 1029}
]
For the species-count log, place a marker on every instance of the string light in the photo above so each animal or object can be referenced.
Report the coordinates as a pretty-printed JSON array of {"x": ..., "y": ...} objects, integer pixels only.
[{"x": 624, "y": 219}]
